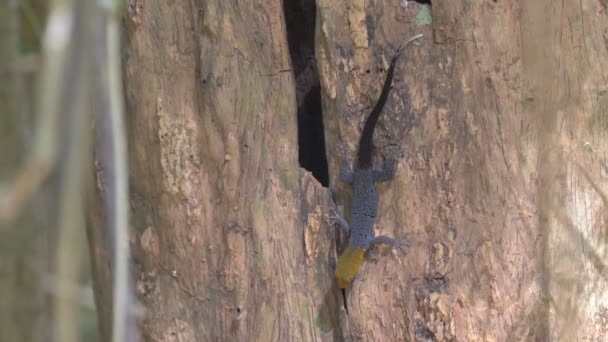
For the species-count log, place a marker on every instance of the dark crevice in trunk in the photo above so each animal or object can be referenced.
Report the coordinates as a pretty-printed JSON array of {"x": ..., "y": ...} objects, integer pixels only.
[{"x": 300, "y": 19}]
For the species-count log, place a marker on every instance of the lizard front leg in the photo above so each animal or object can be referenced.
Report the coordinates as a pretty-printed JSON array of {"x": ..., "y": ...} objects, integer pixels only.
[
  {"x": 393, "y": 154},
  {"x": 387, "y": 172},
  {"x": 346, "y": 173},
  {"x": 335, "y": 217}
]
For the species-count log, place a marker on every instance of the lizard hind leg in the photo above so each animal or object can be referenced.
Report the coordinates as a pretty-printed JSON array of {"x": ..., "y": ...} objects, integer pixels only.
[{"x": 382, "y": 239}]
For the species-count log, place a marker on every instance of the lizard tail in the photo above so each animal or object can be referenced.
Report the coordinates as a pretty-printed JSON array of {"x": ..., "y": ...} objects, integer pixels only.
[
  {"x": 364, "y": 159},
  {"x": 349, "y": 264}
]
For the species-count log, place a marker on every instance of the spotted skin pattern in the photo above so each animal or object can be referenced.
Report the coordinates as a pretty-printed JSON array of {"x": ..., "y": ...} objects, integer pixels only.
[{"x": 365, "y": 197}]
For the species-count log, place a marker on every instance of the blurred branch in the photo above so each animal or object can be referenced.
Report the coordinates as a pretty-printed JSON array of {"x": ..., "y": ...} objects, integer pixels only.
[
  {"x": 72, "y": 291},
  {"x": 31, "y": 18},
  {"x": 42, "y": 159},
  {"x": 64, "y": 99},
  {"x": 114, "y": 159},
  {"x": 71, "y": 241}
]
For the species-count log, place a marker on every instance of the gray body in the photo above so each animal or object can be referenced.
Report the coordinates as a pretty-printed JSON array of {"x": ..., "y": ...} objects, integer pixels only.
[
  {"x": 364, "y": 209},
  {"x": 364, "y": 178},
  {"x": 365, "y": 205}
]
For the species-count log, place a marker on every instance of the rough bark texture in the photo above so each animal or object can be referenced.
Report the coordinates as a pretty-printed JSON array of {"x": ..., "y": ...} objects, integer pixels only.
[
  {"x": 491, "y": 194},
  {"x": 228, "y": 234},
  {"x": 496, "y": 195}
]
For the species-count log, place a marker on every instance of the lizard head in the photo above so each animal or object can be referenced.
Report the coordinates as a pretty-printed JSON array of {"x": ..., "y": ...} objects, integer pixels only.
[{"x": 349, "y": 264}]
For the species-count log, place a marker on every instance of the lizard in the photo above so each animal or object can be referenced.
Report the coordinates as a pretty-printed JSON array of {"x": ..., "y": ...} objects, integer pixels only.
[{"x": 365, "y": 197}]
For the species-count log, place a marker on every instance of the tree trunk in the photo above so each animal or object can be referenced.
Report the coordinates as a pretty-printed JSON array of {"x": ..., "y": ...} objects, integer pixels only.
[
  {"x": 500, "y": 112},
  {"x": 228, "y": 233},
  {"x": 488, "y": 108}
]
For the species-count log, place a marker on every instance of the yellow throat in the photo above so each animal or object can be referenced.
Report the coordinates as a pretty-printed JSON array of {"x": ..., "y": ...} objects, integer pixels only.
[{"x": 349, "y": 264}]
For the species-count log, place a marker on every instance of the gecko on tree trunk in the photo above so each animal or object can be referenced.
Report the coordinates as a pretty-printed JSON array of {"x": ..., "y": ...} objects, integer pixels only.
[{"x": 365, "y": 197}]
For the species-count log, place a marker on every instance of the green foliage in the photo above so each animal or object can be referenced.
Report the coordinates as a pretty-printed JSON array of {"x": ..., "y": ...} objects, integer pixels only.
[
  {"x": 32, "y": 23},
  {"x": 424, "y": 17},
  {"x": 546, "y": 301},
  {"x": 527, "y": 99},
  {"x": 88, "y": 325},
  {"x": 587, "y": 147}
]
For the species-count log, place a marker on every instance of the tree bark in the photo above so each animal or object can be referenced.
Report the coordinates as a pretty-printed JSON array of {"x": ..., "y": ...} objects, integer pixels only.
[
  {"x": 496, "y": 193},
  {"x": 228, "y": 234},
  {"x": 500, "y": 112}
]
